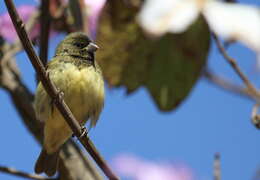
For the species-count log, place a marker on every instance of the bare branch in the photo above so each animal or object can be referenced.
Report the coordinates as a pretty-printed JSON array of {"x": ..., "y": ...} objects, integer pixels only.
[
  {"x": 45, "y": 29},
  {"x": 217, "y": 170},
  {"x": 53, "y": 93},
  {"x": 226, "y": 84},
  {"x": 22, "y": 174},
  {"x": 77, "y": 165},
  {"x": 22, "y": 99},
  {"x": 251, "y": 89}
]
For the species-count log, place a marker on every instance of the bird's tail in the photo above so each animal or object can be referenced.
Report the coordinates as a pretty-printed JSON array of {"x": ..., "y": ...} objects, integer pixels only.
[{"x": 47, "y": 163}]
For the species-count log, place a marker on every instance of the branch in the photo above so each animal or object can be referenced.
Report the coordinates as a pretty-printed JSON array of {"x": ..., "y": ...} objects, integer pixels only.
[
  {"x": 77, "y": 165},
  {"x": 226, "y": 85},
  {"x": 217, "y": 170},
  {"x": 53, "y": 93},
  {"x": 45, "y": 29},
  {"x": 22, "y": 98},
  {"x": 251, "y": 89},
  {"x": 22, "y": 174},
  {"x": 71, "y": 155}
]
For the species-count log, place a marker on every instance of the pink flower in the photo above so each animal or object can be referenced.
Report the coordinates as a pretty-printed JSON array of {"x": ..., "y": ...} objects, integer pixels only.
[
  {"x": 131, "y": 166},
  {"x": 94, "y": 8},
  {"x": 7, "y": 29}
]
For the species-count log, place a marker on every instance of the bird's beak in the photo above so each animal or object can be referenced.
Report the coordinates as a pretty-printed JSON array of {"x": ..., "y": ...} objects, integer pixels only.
[{"x": 92, "y": 47}]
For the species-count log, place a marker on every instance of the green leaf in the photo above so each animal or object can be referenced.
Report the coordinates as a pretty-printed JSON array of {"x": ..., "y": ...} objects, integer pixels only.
[{"x": 168, "y": 67}]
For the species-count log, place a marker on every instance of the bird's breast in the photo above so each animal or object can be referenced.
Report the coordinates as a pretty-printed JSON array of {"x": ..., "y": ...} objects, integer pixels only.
[{"x": 83, "y": 89}]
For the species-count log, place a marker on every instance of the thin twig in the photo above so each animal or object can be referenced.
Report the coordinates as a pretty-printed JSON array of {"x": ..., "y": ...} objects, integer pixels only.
[
  {"x": 22, "y": 174},
  {"x": 44, "y": 31},
  {"x": 226, "y": 84},
  {"x": 255, "y": 117},
  {"x": 53, "y": 92},
  {"x": 22, "y": 98},
  {"x": 251, "y": 89},
  {"x": 217, "y": 170}
]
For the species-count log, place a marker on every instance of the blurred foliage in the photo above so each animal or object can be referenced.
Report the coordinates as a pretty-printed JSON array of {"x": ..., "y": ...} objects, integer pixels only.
[{"x": 168, "y": 67}]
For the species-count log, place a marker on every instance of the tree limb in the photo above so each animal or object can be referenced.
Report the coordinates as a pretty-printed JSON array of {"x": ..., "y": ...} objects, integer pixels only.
[
  {"x": 54, "y": 94},
  {"x": 251, "y": 88},
  {"x": 22, "y": 98},
  {"x": 22, "y": 174},
  {"x": 44, "y": 31},
  {"x": 226, "y": 85}
]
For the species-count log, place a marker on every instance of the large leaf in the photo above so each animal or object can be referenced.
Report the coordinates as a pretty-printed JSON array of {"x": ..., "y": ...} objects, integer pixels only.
[{"x": 168, "y": 67}]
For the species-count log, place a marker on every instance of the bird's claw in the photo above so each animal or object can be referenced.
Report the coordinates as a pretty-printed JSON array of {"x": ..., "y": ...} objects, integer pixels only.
[
  {"x": 59, "y": 95},
  {"x": 83, "y": 132}
]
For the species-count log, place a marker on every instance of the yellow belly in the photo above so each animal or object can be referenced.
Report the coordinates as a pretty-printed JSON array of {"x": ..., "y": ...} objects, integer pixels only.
[{"x": 84, "y": 94}]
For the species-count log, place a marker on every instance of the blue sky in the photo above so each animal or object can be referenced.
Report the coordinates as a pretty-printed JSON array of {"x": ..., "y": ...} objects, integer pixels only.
[{"x": 210, "y": 120}]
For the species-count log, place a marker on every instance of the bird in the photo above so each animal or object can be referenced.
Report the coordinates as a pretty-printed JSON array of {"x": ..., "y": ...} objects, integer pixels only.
[{"x": 75, "y": 73}]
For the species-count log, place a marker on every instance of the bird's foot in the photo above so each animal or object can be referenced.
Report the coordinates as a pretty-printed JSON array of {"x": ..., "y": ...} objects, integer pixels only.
[
  {"x": 83, "y": 132},
  {"x": 59, "y": 95}
]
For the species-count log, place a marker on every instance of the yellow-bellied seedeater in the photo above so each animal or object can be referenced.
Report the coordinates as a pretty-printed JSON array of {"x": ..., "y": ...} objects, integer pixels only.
[{"x": 74, "y": 72}]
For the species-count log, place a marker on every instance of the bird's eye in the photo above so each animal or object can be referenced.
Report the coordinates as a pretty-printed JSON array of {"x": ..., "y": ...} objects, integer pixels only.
[{"x": 79, "y": 45}]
